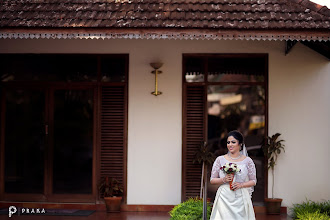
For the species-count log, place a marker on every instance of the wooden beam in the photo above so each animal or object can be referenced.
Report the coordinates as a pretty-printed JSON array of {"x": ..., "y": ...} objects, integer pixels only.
[
  {"x": 322, "y": 48},
  {"x": 289, "y": 44}
]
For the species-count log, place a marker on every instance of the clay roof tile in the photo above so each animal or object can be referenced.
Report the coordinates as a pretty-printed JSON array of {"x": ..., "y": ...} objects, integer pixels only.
[{"x": 241, "y": 14}]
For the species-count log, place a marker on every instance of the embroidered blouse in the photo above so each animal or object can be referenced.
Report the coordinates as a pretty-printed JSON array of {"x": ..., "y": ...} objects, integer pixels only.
[{"x": 247, "y": 166}]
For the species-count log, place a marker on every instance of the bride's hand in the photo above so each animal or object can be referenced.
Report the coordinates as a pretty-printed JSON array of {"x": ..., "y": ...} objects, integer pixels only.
[
  {"x": 236, "y": 185},
  {"x": 228, "y": 178}
]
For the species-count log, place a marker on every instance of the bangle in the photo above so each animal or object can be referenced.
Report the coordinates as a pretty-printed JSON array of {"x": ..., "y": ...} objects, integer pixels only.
[{"x": 223, "y": 180}]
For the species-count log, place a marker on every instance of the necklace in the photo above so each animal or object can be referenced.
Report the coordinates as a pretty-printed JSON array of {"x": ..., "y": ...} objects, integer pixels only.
[{"x": 234, "y": 158}]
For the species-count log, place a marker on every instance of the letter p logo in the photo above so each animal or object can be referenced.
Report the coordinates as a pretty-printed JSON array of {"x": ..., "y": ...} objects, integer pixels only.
[{"x": 12, "y": 210}]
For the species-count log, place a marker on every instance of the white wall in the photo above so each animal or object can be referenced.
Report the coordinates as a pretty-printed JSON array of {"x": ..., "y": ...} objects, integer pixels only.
[
  {"x": 299, "y": 105},
  {"x": 299, "y": 108}
]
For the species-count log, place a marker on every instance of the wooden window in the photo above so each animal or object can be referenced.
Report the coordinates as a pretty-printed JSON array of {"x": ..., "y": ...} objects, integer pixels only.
[
  {"x": 113, "y": 133},
  {"x": 194, "y": 112}
]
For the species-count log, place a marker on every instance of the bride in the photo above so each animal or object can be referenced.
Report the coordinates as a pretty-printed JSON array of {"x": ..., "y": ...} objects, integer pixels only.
[{"x": 234, "y": 204}]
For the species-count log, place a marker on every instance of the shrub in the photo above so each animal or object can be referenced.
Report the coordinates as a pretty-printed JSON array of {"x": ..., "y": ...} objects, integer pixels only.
[
  {"x": 311, "y": 207},
  {"x": 192, "y": 209},
  {"x": 312, "y": 216}
]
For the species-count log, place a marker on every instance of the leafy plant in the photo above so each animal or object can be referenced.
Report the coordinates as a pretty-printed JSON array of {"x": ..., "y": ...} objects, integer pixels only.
[
  {"x": 192, "y": 209},
  {"x": 205, "y": 157},
  {"x": 272, "y": 148},
  {"x": 110, "y": 187},
  {"x": 311, "y": 207},
  {"x": 312, "y": 216}
]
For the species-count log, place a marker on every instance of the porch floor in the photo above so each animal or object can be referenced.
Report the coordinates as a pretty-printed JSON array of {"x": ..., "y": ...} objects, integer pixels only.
[{"x": 102, "y": 215}]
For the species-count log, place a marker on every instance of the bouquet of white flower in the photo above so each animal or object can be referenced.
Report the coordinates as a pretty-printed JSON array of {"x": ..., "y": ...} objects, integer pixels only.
[{"x": 230, "y": 168}]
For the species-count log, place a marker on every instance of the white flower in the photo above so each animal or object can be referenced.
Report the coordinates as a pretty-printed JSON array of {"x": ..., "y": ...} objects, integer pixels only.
[{"x": 232, "y": 166}]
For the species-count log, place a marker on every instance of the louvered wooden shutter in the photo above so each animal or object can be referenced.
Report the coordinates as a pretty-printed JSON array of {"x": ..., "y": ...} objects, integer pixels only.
[
  {"x": 113, "y": 132},
  {"x": 193, "y": 135}
]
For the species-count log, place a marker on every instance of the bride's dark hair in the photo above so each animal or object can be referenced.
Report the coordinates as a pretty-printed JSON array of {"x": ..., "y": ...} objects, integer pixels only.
[{"x": 237, "y": 135}]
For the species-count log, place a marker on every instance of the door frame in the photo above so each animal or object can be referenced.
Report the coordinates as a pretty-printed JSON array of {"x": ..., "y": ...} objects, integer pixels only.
[
  {"x": 204, "y": 84},
  {"x": 47, "y": 194},
  {"x": 97, "y": 85}
]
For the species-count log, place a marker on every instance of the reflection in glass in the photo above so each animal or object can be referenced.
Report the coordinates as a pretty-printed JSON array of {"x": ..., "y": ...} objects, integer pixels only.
[
  {"x": 194, "y": 69},
  {"x": 235, "y": 69},
  {"x": 238, "y": 107},
  {"x": 24, "y": 141},
  {"x": 73, "y": 141},
  {"x": 113, "y": 69},
  {"x": 48, "y": 67}
]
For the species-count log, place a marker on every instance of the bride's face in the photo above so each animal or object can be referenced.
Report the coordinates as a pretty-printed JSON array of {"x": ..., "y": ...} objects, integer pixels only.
[{"x": 233, "y": 145}]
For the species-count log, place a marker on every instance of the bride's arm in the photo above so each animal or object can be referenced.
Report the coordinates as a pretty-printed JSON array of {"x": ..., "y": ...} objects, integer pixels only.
[
  {"x": 215, "y": 178},
  {"x": 252, "y": 173}
]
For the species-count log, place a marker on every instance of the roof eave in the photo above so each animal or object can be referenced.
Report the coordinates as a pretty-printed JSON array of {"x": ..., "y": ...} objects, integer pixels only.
[{"x": 165, "y": 33}]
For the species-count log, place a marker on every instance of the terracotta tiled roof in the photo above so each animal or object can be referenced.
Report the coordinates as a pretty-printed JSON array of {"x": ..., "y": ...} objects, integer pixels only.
[{"x": 166, "y": 14}]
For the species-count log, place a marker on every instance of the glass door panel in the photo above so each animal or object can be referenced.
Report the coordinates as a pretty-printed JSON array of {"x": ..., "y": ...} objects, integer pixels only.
[
  {"x": 24, "y": 141},
  {"x": 238, "y": 107},
  {"x": 73, "y": 142}
]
